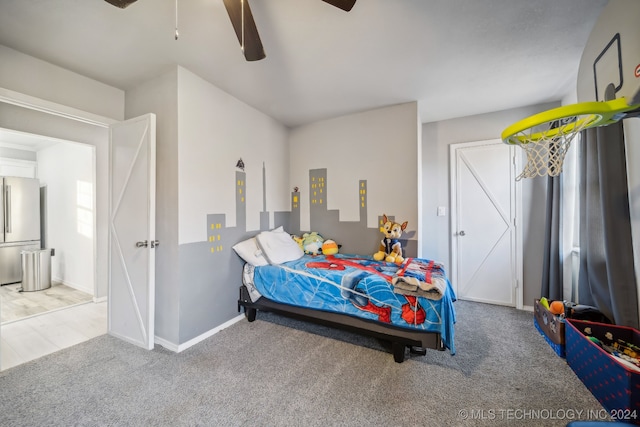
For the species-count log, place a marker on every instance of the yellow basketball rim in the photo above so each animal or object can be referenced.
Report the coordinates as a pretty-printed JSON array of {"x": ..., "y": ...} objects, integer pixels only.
[{"x": 577, "y": 117}]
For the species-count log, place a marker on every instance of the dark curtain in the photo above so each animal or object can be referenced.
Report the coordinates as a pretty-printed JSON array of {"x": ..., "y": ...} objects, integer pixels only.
[
  {"x": 607, "y": 277},
  {"x": 552, "y": 271},
  {"x": 552, "y": 262}
]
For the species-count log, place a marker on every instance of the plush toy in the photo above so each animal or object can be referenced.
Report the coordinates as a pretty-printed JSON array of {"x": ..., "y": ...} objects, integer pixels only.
[
  {"x": 312, "y": 243},
  {"x": 298, "y": 240},
  {"x": 329, "y": 247},
  {"x": 390, "y": 248}
]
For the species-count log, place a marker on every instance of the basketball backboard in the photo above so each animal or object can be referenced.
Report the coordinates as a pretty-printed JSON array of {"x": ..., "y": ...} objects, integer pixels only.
[
  {"x": 611, "y": 58},
  {"x": 612, "y": 54}
]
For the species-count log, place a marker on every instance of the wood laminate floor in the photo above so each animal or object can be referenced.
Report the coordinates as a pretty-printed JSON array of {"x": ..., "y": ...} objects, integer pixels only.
[
  {"x": 24, "y": 340},
  {"x": 34, "y": 324},
  {"x": 16, "y": 305}
]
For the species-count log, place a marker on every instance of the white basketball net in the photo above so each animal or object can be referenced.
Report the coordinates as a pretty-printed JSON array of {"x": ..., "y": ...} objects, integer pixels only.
[{"x": 547, "y": 144}]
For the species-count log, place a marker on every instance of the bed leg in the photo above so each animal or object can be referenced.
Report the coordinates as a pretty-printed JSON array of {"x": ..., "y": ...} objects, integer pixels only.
[
  {"x": 250, "y": 313},
  {"x": 398, "y": 351},
  {"x": 421, "y": 351}
]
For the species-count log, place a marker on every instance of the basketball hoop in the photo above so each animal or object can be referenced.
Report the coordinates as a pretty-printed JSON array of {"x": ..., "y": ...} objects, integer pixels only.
[{"x": 546, "y": 137}]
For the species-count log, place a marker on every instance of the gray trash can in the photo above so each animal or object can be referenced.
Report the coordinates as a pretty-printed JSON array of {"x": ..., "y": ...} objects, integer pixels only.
[{"x": 36, "y": 270}]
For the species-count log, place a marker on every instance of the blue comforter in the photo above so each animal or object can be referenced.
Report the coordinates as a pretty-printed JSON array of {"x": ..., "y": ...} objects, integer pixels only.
[{"x": 362, "y": 287}]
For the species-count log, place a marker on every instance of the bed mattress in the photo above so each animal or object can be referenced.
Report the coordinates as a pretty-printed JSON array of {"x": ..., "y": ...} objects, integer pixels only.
[{"x": 416, "y": 295}]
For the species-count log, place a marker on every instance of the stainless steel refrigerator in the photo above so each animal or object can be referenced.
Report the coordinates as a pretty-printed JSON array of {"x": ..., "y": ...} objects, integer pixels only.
[{"x": 19, "y": 224}]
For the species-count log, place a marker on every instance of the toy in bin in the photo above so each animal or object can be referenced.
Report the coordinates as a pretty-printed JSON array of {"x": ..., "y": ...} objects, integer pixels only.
[
  {"x": 555, "y": 307},
  {"x": 550, "y": 326},
  {"x": 627, "y": 353},
  {"x": 571, "y": 310},
  {"x": 549, "y": 319},
  {"x": 605, "y": 359}
]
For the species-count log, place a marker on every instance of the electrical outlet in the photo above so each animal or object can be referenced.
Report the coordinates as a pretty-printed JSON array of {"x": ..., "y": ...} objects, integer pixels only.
[{"x": 442, "y": 211}]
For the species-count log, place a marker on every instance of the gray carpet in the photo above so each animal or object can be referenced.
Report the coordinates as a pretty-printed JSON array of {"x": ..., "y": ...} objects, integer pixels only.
[{"x": 280, "y": 372}]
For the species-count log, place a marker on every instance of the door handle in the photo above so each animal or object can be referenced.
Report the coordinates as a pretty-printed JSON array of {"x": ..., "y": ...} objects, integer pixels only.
[
  {"x": 155, "y": 243},
  {"x": 142, "y": 244},
  {"x": 7, "y": 214},
  {"x": 462, "y": 233}
]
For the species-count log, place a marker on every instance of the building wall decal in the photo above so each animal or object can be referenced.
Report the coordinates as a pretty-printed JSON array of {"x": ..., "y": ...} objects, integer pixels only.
[
  {"x": 212, "y": 272},
  {"x": 354, "y": 236}
]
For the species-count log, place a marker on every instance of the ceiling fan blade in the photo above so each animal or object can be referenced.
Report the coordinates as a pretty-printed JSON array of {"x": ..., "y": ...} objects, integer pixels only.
[
  {"x": 345, "y": 5},
  {"x": 250, "y": 40},
  {"x": 121, "y": 3}
]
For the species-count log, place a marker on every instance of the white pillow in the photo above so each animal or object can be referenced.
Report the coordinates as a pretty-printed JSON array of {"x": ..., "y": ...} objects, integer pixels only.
[
  {"x": 278, "y": 246},
  {"x": 249, "y": 251}
]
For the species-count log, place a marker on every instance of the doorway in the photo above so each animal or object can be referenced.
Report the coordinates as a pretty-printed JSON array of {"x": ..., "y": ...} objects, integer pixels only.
[
  {"x": 485, "y": 210},
  {"x": 38, "y": 323},
  {"x": 33, "y": 115}
]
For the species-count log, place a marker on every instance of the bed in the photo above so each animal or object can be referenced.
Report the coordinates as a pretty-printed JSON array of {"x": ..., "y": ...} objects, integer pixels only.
[{"x": 409, "y": 305}]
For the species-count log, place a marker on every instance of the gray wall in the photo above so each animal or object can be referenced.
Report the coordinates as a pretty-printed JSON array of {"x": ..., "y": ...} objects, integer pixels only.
[
  {"x": 436, "y": 138},
  {"x": 375, "y": 151},
  {"x": 201, "y": 132}
]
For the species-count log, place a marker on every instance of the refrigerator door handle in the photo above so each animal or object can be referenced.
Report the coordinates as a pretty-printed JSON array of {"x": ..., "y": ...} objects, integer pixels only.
[{"x": 7, "y": 213}]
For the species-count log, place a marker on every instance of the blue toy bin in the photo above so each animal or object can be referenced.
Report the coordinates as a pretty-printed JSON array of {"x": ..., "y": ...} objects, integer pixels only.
[
  {"x": 614, "y": 384},
  {"x": 550, "y": 326}
]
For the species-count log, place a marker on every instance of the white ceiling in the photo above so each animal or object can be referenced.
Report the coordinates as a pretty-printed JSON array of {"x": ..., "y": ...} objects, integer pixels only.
[{"x": 456, "y": 57}]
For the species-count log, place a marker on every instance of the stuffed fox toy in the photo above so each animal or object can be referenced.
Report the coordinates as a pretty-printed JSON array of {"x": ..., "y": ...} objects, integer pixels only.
[{"x": 390, "y": 248}]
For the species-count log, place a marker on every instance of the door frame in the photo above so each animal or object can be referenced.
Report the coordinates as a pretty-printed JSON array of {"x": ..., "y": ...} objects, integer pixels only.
[
  {"x": 516, "y": 191},
  {"x": 38, "y": 104},
  {"x": 29, "y": 102}
]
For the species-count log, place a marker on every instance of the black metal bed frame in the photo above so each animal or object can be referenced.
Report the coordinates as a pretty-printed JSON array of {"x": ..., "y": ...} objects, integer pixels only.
[{"x": 401, "y": 339}]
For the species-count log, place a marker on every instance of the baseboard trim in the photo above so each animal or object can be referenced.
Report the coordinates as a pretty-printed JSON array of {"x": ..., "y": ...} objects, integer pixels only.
[
  {"x": 73, "y": 285},
  {"x": 177, "y": 348},
  {"x": 99, "y": 299},
  {"x": 528, "y": 308},
  {"x": 166, "y": 344}
]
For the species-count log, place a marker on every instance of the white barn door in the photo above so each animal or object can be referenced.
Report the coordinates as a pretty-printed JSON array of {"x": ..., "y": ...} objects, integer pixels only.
[
  {"x": 485, "y": 264},
  {"x": 131, "y": 299}
]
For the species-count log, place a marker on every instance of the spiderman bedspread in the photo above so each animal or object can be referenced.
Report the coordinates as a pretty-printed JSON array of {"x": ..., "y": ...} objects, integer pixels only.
[{"x": 362, "y": 287}]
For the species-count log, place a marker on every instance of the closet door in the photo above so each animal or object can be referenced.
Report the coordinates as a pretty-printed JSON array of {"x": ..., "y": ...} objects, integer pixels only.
[{"x": 485, "y": 253}]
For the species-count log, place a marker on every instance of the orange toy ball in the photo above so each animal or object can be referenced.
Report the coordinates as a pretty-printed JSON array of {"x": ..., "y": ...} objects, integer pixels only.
[{"x": 556, "y": 307}]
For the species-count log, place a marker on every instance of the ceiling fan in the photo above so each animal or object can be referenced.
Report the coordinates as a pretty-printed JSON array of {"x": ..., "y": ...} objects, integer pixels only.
[{"x": 244, "y": 25}]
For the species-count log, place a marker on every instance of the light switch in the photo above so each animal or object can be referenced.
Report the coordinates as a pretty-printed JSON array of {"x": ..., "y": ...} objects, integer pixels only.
[{"x": 442, "y": 211}]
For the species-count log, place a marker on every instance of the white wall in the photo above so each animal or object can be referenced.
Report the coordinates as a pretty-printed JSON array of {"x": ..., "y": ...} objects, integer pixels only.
[
  {"x": 436, "y": 138},
  {"x": 67, "y": 172},
  {"x": 18, "y": 154},
  {"x": 215, "y": 130},
  {"x": 31, "y": 76},
  {"x": 379, "y": 146}
]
